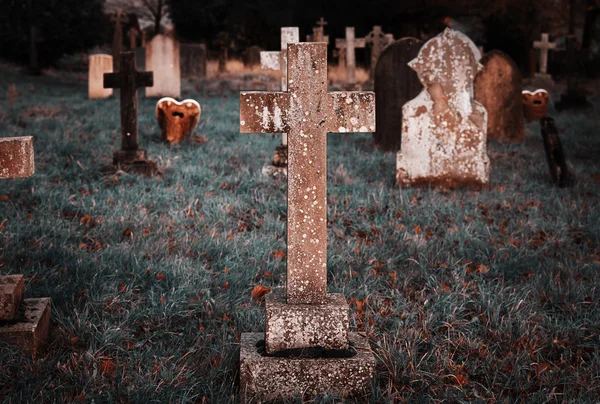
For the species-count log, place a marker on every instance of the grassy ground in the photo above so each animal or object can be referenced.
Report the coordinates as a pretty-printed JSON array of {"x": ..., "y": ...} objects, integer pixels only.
[{"x": 465, "y": 296}]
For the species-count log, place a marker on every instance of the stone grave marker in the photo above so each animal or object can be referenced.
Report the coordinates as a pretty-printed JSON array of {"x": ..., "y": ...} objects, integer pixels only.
[
  {"x": 193, "y": 60},
  {"x": 251, "y": 57},
  {"x": 395, "y": 84},
  {"x": 223, "y": 44},
  {"x": 444, "y": 128},
  {"x": 11, "y": 94},
  {"x": 378, "y": 40},
  {"x": 543, "y": 46},
  {"x": 349, "y": 44},
  {"x": 318, "y": 34},
  {"x": 306, "y": 316},
  {"x": 278, "y": 61},
  {"x": 177, "y": 120},
  {"x": 557, "y": 163},
  {"x": 24, "y": 323},
  {"x": 498, "y": 88},
  {"x": 98, "y": 65},
  {"x": 162, "y": 58},
  {"x": 128, "y": 80},
  {"x": 119, "y": 18},
  {"x": 575, "y": 96}
]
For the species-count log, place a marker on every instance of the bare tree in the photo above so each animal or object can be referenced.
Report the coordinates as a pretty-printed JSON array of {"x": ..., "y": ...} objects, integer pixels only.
[{"x": 154, "y": 11}]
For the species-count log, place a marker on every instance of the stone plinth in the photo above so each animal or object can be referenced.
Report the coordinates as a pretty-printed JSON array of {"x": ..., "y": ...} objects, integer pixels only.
[
  {"x": 268, "y": 378},
  {"x": 11, "y": 295},
  {"x": 295, "y": 326},
  {"x": 30, "y": 328}
]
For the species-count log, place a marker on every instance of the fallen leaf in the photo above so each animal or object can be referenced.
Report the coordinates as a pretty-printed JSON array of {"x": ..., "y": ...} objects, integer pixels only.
[
  {"x": 279, "y": 254},
  {"x": 259, "y": 291}
]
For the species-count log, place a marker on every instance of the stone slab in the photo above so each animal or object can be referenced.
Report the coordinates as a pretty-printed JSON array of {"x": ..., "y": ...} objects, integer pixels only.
[
  {"x": 11, "y": 295},
  {"x": 16, "y": 157},
  {"x": 264, "y": 378},
  {"x": 30, "y": 329},
  {"x": 294, "y": 326}
]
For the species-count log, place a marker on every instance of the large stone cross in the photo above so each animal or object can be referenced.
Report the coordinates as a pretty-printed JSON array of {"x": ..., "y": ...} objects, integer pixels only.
[
  {"x": 128, "y": 80},
  {"x": 118, "y": 18},
  {"x": 16, "y": 157},
  {"x": 544, "y": 45},
  {"x": 307, "y": 112},
  {"x": 277, "y": 60},
  {"x": 378, "y": 41},
  {"x": 350, "y": 43}
]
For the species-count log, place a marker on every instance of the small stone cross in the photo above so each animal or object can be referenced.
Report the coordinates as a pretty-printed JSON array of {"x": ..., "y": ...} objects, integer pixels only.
[
  {"x": 16, "y": 157},
  {"x": 319, "y": 32},
  {"x": 118, "y": 18},
  {"x": 378, "y": 41},
  {"x": 278, "y": 60},
  {"x": 544, "y": 46},
  {"x": 350, "y": 44},
  {"x": 307, "y": 112},
  {"x": 128, "y": 80},
  {"x": 11, "y": 94}
]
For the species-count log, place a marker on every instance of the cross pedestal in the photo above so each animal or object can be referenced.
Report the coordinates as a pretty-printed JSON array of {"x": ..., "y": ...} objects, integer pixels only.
[
  {"x": 306, "y": 316},
  {"x": 128, "y": 80},
  {"x": 349, "y": 44}
]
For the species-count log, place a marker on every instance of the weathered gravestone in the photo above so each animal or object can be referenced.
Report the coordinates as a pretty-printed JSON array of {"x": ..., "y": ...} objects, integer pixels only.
[
  {"x": 278, "y": 61},
  {"x": 395, "y": 84},
  {"x": 378, "y": 40},
  {"x": 575, "y": 97},
  {"x": 349, "y": 44},
  {"x": 24, "y": 323},
  {"x": 162, "y": 58},
  {"x": 193, "y": 60},
  {"x": 557, "y": 163},
  {"x": 98, "y": 65},
  {"x": 542, "y": 78},
  {"x": 444, "y": 128},
  {"x": 177, "y": 120},
  {"x": 309, "y": 317},
  {"x": 128, "y": 80},
  {"x": 251, "y": 57},
  {"x": 498, "y": 89},
  {"x": 118, "y": 18}
]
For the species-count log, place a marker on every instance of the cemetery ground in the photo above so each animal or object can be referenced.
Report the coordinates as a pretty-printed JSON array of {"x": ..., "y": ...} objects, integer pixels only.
[{"x": 465, "y": 295}]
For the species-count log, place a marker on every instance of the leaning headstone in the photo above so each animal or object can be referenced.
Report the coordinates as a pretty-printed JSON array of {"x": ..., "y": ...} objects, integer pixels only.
[
  {"x": 306, "y": 319},
  {"x": 177, "y": 120},
  {"x": 118, "y": 18},
  {"x": 193, "y": 60},
  {"x": 128, "y": 80},
  {"x": 98, "y": 65},
  {"x": 162, "y": 57},
  {"x": 444, "y": 128},
  {"x": 395, "y": 84},
  {"x": 498, "y": 89},
  {"x": 557, "y": 163},
  {"x": 349, "y": 44},
  {"x": 251, "y": 57},
  {"x": 542, "y": 78}
]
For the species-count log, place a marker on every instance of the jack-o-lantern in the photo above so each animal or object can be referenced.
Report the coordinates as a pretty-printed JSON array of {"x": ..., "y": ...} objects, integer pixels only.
[
  {"x": 535, "y": 104},
  {"x": 177, "y": 119}
]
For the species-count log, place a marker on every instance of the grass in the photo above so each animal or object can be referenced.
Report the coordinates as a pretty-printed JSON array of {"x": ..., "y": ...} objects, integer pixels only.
[{"x": 465, "y": 296}]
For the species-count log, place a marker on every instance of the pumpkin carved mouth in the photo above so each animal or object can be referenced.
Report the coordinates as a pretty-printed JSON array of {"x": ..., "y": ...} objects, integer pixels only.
[{"x": 177, "y": 120}]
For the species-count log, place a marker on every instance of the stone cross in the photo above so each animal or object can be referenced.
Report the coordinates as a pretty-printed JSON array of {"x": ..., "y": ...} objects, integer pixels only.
[
  {"x": 378, "y": 41},
  {"x": 278, "y": 60},
  {"x": 544, "y": 46},
  {"x": 16, "y": 157},
  {"x": 319, "y": 32},
  {"x": 11, "y": 94},
  {"x": 128, "y": 80},
  {"x": 350, "y": 44},
  {"x": 118, "y": 18},
  {"x": 307, "y": 112}
]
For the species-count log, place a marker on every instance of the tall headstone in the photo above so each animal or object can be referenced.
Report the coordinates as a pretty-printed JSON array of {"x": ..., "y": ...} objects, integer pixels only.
[
  {"x": 378, "y": 40},
  {"x": 498, "y": 88},
  {"x": 308, "y": 316},
  {"x": 98, "y": 65},
  {"x": 162, "y": 58},
  {"x": 128, "y": 80},
  {"x": 349, "y": 44},
  {"x": 277, "y": 61},
  {"x": 543, "y": 46},
  {"x": 444, "y": 128},
  {"x": 119, "y": 18},
  {"x": 395, "y": 84},
  {"x": 193, "y": 60}
]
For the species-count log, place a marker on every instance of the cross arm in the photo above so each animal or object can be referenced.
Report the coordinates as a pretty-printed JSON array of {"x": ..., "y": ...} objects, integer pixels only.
[
  {"x": 16, "y": 157},
  {"x": 144, "y": 79},
  {"x": 262, "y": 112},
  {"x": 352, "y": 111},
  {"x": 360, "y": 43},
  {"x": 112, "y": 80},
  {"x": 270, "y": 60}
]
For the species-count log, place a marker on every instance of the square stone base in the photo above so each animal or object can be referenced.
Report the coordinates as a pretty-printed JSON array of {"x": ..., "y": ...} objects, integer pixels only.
[
  {"x": 11, "y": 295},
  {"x": 265, "y": 378},
  {"x": 294, "y": 326},
  {"x": 30, "y": 328}
]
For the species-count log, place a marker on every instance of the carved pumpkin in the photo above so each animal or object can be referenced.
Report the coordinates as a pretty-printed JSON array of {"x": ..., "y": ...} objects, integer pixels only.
[
  {"x": 177, "y": 119},
  {"x": 535, "y": 104}
]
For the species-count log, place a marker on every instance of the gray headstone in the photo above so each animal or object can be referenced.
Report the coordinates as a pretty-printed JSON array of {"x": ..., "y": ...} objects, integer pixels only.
[
  {"x": 193, "y": 60},
  {"x": 395, "y": 84}
]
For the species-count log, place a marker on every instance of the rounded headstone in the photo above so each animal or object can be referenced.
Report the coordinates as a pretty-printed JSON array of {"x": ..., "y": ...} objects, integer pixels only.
[
  {"x": 498, "y": 88},
  {"x": 395, "y": 84},
  {"x": 98, "y": 65}
]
